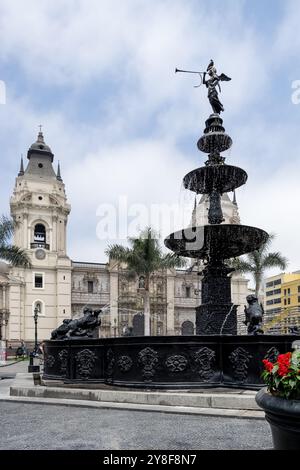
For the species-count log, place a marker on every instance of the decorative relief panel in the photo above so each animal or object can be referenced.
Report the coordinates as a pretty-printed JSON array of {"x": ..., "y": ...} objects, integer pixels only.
[
  {"x": 148, "y": 360},
  {"x": 240, "y": 359},
  {"x": 85, "y": 362}
]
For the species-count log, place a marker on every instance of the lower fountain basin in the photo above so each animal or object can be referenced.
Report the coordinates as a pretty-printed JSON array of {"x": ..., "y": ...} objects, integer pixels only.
[
  {"x": 223, "y": 178},
  {"x": 170, "y": 362},
  {"x": 223, "y": 241}
]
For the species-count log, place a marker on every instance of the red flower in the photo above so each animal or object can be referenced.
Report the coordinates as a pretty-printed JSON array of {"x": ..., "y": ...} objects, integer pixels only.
[
  {"x": 284, "y": 363},
  {"x": 284, "y": 358},
  {"x": 268, "y": 365},
  {"x": 283, "y": 370}
]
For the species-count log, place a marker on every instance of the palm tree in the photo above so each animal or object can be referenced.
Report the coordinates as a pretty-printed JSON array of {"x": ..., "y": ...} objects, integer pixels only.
[
  {"x": 260, "y": 261},
  {"x": 144, "y": 258},
  {"x": 11, "y": 253}
]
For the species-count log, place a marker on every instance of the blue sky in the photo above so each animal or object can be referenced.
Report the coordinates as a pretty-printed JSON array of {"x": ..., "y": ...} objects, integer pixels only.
[{"x": 99, "y": 75}]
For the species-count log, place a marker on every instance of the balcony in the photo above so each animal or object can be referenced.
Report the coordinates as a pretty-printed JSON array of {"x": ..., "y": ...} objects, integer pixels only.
[
  {"x": 79, "y": 297},
  {"x": 44, "y": 245}
]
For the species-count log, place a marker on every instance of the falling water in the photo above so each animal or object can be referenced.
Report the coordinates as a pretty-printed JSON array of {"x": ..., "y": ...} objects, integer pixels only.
[{"x": 225, "y": 319}]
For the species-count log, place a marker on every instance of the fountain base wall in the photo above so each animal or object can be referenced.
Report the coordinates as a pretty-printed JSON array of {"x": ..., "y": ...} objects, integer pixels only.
[{"x": 171, "y": 362}]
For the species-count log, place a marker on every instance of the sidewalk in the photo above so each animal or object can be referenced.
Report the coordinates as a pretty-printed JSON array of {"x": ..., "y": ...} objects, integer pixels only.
[
  {"x": 8, "y": 374},
  {"x": 209, "y": 402},
  {"x": 13, "y": 367}
]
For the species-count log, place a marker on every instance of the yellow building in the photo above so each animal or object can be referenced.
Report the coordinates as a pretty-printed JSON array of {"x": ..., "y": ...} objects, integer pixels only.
[
  {"x": 282, "y": 302},
  {"x": 290, "y": 292}
]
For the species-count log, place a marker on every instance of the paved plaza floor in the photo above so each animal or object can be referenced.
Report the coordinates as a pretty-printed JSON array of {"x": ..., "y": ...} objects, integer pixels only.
[
  {"x": 39, "y": 426},
  {"x": 46, "y": 426}
]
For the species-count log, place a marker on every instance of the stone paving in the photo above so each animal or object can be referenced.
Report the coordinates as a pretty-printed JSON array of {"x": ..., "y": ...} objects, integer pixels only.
[
  {"x": 44, "y": 426},
  {"x": 8, "y": 373},
  {"x": 31, "y": 426}
]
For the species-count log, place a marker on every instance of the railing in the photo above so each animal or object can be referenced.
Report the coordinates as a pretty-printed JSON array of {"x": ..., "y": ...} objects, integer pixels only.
[
  {"x": 282, "y": 321},
  {"x": 44, "y": 245},
  {"x": 78, "y": 264}
]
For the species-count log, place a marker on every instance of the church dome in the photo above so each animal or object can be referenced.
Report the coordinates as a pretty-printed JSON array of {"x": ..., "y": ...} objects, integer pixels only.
[{"x": 40, "y": 148}]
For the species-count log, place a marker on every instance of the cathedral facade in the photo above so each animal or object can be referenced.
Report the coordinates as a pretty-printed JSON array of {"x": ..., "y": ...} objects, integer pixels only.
[{"x": 60, "y": 288}]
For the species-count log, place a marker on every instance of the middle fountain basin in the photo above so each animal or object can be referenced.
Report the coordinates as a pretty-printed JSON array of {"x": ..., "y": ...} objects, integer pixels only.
[
  {"x": 223, "y": 241},
  {"x": 223, "y": 178}
]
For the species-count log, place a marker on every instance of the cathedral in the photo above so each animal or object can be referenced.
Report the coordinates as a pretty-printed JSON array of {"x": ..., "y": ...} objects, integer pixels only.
[{"x": 59, "y": 288}]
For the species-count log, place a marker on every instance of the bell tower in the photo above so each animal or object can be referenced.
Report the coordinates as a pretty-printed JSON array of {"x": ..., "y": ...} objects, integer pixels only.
[{"x": 40, "y": 208}]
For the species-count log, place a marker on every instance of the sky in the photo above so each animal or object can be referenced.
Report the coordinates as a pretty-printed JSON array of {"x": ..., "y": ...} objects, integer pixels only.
[{"x": 99, "y": 76}]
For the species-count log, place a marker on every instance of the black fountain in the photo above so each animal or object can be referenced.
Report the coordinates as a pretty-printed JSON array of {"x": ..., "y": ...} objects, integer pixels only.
[{"x": 216, "y": 355}]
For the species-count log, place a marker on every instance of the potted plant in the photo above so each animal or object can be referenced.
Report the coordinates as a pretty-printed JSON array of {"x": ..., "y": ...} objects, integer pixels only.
[{"x": 281, "y": 399}]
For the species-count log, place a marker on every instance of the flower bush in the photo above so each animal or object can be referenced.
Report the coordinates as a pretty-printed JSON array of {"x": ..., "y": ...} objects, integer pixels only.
[{"x": 283, "y": 376}]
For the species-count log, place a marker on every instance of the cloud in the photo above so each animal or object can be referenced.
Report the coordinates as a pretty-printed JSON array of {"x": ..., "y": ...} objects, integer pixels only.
[
  {"x": 288, "y": 41},
  {"x": 100, "y": 76}
]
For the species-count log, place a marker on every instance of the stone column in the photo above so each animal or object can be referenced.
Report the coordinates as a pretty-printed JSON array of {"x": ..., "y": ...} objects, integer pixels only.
[
  {"x": 170, "y": 302},
  {"x": 15, "y": 327},
  {"x": 53, "y": 247},
  {"x": 4, "y": 307},
  {"x": 3, "y": 296},
  {"x": 26, "y": 233}
]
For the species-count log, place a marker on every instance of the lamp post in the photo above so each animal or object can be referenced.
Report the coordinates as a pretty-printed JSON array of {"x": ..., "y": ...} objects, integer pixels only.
[
  {"x": 35, "y": 317},
  {"x": 34, "y": 367}
]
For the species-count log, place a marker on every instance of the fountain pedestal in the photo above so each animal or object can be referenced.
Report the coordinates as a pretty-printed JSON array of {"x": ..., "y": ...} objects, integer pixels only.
[{"x": 216, "y": 314}]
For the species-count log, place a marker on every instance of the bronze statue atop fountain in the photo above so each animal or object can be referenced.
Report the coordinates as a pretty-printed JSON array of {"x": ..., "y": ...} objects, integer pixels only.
[{"x": 211, "y": 84}]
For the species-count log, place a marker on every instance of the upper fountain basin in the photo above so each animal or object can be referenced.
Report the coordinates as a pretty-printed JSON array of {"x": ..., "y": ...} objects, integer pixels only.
[
  {"x": 219, "y": 242},
  {"x": 223, "y": 178},
  {"x": 214, "y": 142}
]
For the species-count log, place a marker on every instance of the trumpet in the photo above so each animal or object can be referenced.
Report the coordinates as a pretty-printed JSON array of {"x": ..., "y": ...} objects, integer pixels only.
[{"x": 187, "y": 71}]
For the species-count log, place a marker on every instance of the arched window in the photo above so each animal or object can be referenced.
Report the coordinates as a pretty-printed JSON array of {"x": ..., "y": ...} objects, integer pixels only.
[
  {"x": 40, "y": 233},
  {"x": 40, "y": 237},
  {"x": 39, "y": 304},
  {"x": 187, "y": 328}
]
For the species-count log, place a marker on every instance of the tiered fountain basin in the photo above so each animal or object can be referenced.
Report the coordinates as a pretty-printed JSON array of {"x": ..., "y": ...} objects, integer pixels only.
[
  {"x": 223, "y": 241},
  {"x": 223, "y": 178},
  {"x": 169, "y": 362}
]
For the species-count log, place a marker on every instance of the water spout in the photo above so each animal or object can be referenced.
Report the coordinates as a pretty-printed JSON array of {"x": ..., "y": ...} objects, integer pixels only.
[{"x": 225, "y": 319}]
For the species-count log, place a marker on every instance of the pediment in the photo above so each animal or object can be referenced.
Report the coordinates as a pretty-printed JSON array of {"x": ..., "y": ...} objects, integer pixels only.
[
  {"x": 27, "y": 198},
  {"x": 53, "y": 200}
]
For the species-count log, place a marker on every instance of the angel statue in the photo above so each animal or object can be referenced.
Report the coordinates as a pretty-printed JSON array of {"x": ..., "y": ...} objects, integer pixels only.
[{"x": 212, "y": 83}]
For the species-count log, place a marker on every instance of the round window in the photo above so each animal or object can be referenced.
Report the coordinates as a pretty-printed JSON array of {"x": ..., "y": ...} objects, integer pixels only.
[{"x": 40, "y": 165}]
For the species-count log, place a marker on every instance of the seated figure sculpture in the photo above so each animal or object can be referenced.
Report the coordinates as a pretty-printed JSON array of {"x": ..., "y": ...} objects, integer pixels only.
[
  {"x": 254, "y": 316},
  {"x": 81, "y": 327}
]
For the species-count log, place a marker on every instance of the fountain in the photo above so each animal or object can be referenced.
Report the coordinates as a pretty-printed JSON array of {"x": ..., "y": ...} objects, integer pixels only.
[
  {"x": 216, "y": 242},
  {"x": 216, "y": 355}
]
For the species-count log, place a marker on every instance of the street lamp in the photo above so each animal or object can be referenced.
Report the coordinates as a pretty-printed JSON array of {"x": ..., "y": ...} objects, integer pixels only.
[
  {"x": 35, "y": 317},
  {"x": 34, "y": 367}
]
